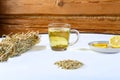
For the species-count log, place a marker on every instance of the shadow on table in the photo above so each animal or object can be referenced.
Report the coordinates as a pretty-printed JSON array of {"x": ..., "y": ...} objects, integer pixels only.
[
  {"x": 38, "y": 48},
  {"x": 87, "y": 49}
]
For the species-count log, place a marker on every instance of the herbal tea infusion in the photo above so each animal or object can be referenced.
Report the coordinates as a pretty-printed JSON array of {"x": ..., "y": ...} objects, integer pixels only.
[{"x": 59, "y": 38}]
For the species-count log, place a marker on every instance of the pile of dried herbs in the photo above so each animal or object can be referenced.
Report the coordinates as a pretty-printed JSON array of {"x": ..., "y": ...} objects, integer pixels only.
[
  {"x": 69, "y": 64},
  {"x": 16, "y": 44}
]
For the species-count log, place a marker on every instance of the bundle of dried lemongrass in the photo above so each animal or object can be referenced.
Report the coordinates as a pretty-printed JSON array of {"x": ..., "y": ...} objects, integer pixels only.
[
  {"x": 5, "y": 51},
  {"x": 16, "y": 44}
]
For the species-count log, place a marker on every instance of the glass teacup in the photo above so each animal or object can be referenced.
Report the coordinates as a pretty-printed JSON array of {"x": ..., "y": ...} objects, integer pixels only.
[{"x": 59, "y": 34}]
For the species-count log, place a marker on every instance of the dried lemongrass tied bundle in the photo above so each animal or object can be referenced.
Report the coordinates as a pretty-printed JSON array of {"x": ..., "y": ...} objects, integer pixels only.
[
  {"x": 21, "y": 42},
  {"x": 5, "y": 51}
]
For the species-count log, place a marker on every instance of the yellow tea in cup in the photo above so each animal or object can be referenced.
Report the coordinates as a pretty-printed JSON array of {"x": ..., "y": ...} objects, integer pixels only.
[{"x": 59, "y": 36}]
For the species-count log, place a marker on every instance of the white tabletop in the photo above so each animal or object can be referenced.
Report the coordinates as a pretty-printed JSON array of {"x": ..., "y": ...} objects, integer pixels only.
[{"x": 38, "y": 63}]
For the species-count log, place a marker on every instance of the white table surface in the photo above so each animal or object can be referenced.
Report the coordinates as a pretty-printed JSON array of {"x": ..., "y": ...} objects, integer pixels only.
[{"x": 38, "y": 63}]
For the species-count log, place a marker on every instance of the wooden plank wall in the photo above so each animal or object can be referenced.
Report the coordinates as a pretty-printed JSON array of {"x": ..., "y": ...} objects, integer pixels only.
[
  {"x": 63, "y": 7},
  {"x": 96, "y": 16}
]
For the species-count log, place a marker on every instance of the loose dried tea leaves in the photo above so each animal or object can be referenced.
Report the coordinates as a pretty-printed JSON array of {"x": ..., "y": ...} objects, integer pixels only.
[
  {"x": 69, "y": 64},
  {"x": 16, "y": 44}
]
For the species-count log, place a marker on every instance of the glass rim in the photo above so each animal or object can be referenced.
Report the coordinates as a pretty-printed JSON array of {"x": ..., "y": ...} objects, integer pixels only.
[{"x": 57, "y": 24}]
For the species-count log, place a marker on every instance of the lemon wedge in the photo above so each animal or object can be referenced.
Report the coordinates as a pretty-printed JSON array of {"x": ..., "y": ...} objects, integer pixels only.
[
  {"x": 114, "y": 41},
  {"x": 56, "y": 41}
]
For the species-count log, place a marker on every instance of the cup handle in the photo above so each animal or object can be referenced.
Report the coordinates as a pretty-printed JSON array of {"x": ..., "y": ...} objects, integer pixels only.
[{"x": 77, "y": 34}]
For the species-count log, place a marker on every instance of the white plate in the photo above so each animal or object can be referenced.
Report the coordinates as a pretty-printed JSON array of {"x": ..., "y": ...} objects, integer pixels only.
[{"x": 103, "y": 50}]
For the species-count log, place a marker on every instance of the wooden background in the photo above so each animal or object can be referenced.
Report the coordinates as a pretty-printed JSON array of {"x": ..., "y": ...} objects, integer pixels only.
[{"x": 96, "y": 16}]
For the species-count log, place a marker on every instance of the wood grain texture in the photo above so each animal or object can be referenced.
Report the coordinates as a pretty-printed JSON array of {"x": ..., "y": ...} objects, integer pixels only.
[
  {"x": 91, "y": 16},
  {"x": 89, "y": 24},
  {"x": 60, "y": 7}
]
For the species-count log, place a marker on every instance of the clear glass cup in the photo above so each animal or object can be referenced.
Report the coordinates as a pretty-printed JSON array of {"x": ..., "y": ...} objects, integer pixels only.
[{"x": 59, "y": 34}]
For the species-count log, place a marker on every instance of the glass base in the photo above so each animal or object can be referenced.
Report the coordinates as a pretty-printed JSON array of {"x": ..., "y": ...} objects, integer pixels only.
[{"x": 59, "y": 49}]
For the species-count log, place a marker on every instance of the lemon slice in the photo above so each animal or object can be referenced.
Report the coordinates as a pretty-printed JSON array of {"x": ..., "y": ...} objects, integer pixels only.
[
  {"x": 114, "y": 41},
  {"x": 56, "y": 41}
]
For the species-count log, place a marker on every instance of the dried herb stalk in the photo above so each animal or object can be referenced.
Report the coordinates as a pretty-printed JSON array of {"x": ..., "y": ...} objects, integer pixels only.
[{"x": 16, "y": 44}]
